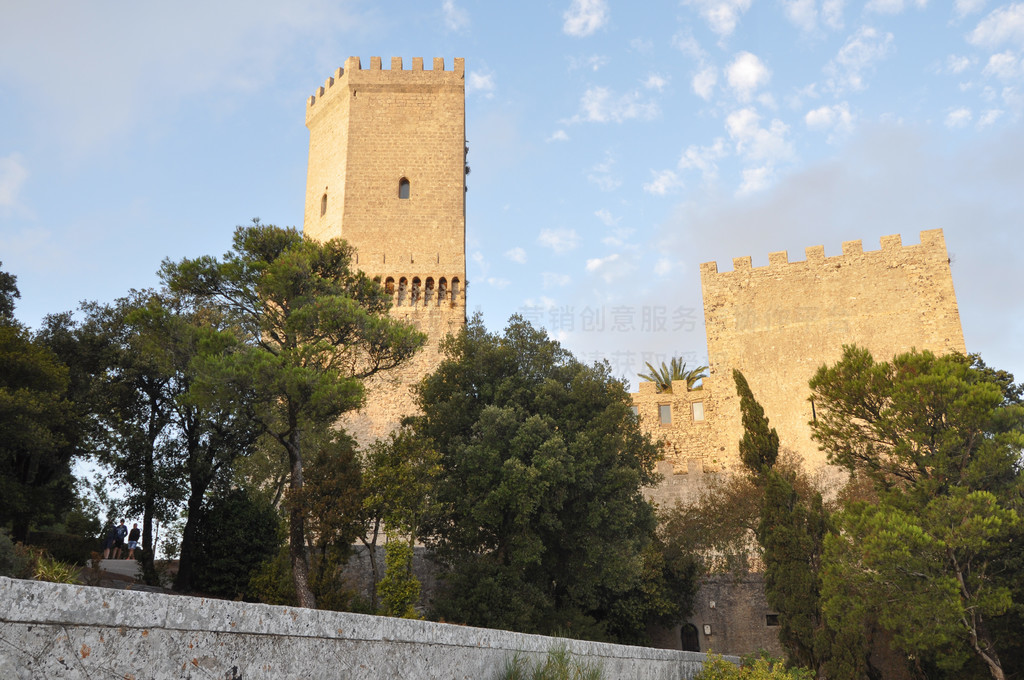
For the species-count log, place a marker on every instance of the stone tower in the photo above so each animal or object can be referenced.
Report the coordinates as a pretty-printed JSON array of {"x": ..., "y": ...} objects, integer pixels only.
[
  {"x": 387, "y": 173},
  {"x": 778, "y": 324}
]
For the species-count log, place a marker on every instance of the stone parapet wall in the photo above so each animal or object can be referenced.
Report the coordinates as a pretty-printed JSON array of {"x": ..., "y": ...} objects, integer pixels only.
[{"x": 63, "y": 631}]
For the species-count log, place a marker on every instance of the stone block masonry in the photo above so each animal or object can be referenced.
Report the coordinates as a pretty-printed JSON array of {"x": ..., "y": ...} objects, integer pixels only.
[
  {"x": 387, "y": 173},
  {"x": 778, "y": 324},
  {"x": 52, "y": 630}
]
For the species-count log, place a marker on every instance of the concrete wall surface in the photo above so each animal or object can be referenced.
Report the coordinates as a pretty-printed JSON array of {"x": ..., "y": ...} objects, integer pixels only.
[{"x": 63, "y": 631}]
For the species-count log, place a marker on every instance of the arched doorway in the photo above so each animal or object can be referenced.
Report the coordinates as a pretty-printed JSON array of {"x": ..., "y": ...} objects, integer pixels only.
[{"x": 691, "y": 641}]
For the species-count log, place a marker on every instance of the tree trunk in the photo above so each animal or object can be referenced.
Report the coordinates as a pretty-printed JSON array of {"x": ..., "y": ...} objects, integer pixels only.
[
  {"x": 371, "y": 548},
  {"x": 183, "y": 580},
  {"x": 297, "y": 527}
]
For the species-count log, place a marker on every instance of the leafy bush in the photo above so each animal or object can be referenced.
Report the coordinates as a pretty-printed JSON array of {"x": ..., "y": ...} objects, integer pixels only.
[
  {"x": 234, "y": 535},
  {"x": 54, "y": 571},
  {"x": 69, "y": 548},
  {"x": 760, "y": 668},
  {"x": 13, "y": 562},
  {"x": 559, "y": 665}
]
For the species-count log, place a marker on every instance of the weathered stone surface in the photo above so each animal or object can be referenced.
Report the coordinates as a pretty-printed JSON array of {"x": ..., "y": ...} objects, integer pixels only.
[
  {"x": 370, "y": 129},
  {"x": 61, "y": 631}
]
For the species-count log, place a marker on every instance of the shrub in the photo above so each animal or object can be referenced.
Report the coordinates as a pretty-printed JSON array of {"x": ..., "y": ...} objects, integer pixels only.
[
  {"x": 54, "y": 571},
  {"x": 760, "y": 668},
  {"x": 558, "y": 665}
]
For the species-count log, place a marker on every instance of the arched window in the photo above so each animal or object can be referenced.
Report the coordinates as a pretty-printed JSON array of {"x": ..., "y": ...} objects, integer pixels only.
[
  {"x": 442, "y": 290},
  {"x": 455, "y": 288},
  {"x": 323, "y": 205},
  {"x": 403, "y": 188},
  {"x": 415, "y": 291},
  {"x": 428, "y": 291},
  {"x": 402, "y": 284},
  {"x": 389, "y": 286}
]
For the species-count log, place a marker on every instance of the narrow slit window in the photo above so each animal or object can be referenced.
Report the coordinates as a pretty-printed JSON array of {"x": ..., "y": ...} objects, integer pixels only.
[
  {"x": 442, "y": 290},
  {"x": 403, "y": 188},
  {"x": 323, "y": 205},
  {"x": 455, "y": 289}
]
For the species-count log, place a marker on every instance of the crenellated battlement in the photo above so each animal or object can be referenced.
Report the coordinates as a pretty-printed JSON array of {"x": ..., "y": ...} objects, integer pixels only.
[
  {"x": 353, "y": 73},
  {"x": 932, "y": 242}
]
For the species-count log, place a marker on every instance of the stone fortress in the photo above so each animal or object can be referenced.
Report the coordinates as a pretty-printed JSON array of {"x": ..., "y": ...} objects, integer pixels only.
[
  {"x": 387, "y": 173},
  {"x": 777, "y": 325}
]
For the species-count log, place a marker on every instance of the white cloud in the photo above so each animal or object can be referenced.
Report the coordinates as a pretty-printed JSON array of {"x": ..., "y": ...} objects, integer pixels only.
[
  {"x": 558, "y": 136},
  {"x": 497, "y": 283},
  {"x": 755, "y": 142},
  {"x": 856, "y": 58},
  {"x": 688, "y": 45},
  {"x": 835, "y": 118},
  {"x": 606, "y": 217},
  {"x": 663, "y": 266},
  {"x": 704, "y": 82},
  {"x": 455, "y": 18},
  {"x": 801, "y": 13},
  {"x": 516, "y": 254},
  {"x": 721, "y": 15},
  {"x": 1005, "y": 24},
  {"x": 105, "y": 61},
  {"x": 892, "y": 6},
  {"x": 655, "y": 82},
  {"x": 584, "y": 17},
  {"x": 746, "y": 74},
  {"x": 663, "y": 182},
  {"x": 12, "y": 176},
  {"x": 989, "y": 117},
  {"x": 1004, "y": 65},
  {"x": 601, "y": 175},
  {"x": 956, "y": 64},
  {"x": 559, "y": 240},
  {"x": 703, "y": 158},
  {"x": 611, "y": 268},
  {"x": 618, "y": 238},
  {"x": 965, "y": 7},
  {"x": 553, "y": 280},
  {"x": 480, "y": 82},
  {"x": 832, "y": 13},
  {"x": 958, "y": 118},
  {"x": 600, "y": 105}
]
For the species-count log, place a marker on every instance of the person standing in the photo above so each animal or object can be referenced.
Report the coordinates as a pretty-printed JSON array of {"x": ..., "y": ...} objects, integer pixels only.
[
  {"x": 109, "y": 540},
  {"x": 122, "y": 532},
  {"x": 133, "y": 540}
]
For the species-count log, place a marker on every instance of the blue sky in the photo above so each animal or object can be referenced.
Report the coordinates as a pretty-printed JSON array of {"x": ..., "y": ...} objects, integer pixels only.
[{"x": 614, "y": 146}]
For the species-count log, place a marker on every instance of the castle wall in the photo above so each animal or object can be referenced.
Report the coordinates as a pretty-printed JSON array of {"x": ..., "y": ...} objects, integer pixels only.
[
  {"x": 778, "y": 324},
  {"x": 371, "y": 130}
]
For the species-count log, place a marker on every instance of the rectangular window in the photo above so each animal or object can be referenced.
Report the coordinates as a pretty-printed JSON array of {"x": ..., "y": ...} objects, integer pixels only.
[
  {"x": 665, "y": 413},
  {"x": 635, "y": 410},
  {"x": 771, "y": 619},
  {"x": 698, "y": 410}
]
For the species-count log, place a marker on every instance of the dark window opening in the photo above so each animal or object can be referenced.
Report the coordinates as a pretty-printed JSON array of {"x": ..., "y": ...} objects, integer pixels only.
[
  {"x": 403, "y": 188},
  {"x": 442, "y": 290},
  {"x": 415, "y": 291},
  {"x": 771, "y": 619},
  {"x": 455, "y": 289},
  {"x": 389, "y": 286},
  {"x": 323, "y": 205},
  {"x": 428, "y": 291},
  {"x": 402, "y": 285}
]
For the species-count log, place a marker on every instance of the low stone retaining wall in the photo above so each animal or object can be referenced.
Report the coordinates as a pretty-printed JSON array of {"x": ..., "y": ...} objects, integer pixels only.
[{"x": 60, "y": 631}]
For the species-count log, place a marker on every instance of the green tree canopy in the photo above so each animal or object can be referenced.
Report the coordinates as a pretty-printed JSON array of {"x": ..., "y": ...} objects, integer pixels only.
[
  {"x": 311, "y": 329},
  {"x": 538, "y": 510},
  {"x": 937, "y": 560}
]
